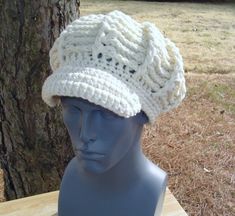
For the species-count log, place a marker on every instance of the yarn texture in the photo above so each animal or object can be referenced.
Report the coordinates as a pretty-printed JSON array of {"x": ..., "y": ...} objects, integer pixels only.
[{"x": 118, "y": 63}]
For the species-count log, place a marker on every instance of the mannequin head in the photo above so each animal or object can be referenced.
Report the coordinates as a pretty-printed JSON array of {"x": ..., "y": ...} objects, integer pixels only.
[{"x": 100, "y": 138}]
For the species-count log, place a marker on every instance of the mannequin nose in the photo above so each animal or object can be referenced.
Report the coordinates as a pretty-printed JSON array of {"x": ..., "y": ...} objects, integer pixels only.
[{"x": 87, "y": 134}]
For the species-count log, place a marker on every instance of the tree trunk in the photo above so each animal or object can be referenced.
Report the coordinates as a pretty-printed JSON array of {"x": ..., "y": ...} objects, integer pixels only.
[{"x": 34, "y": 145}]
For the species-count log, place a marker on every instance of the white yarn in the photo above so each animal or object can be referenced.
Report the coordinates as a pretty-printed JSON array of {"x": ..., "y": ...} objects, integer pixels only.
[{"x": 118, "y": 63}]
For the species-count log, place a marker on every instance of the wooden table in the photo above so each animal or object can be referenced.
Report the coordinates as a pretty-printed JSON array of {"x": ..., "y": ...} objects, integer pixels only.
[{"x": 46, "y": 205}]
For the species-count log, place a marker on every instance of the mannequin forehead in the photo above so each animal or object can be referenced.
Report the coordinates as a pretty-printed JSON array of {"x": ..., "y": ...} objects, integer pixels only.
[
  {"x": 82, "y": 103},
  {"x": 89, "y": 106}
]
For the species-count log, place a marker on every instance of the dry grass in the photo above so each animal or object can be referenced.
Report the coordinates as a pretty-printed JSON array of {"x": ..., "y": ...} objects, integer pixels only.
[
  {"x": 195, "y": 145},
  {"x": 205, "y": 33}
]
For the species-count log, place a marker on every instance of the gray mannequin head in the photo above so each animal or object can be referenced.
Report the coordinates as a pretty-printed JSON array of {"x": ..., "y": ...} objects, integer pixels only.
[{"x": 100, "y": 138}]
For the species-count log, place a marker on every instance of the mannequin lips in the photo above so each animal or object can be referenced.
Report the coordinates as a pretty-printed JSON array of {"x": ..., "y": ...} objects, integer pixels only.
[{"x": 89, "y": 155}]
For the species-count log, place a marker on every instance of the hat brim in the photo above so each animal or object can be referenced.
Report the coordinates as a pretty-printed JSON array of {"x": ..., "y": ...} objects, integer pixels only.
[{"x": 95, "y": 85}]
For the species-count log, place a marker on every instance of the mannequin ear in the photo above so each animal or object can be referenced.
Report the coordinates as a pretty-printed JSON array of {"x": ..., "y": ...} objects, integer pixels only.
[{"x": 142, "y": 118}]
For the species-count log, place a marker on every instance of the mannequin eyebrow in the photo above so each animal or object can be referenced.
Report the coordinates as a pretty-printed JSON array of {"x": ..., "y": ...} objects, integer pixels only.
[
  {"x": 76, "y": 107},
  {"x": 69, "y": 106},
  {"x": 96, "y": 108}
]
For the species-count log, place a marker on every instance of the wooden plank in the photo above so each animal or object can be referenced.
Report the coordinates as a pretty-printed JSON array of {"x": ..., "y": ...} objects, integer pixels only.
[
  {"x": 171, "y": 207},
  {"x": 38, "y": 205},
  {"x": 46, "y": 205}
]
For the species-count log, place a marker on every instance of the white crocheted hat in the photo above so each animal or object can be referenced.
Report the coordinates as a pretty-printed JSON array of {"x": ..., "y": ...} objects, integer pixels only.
[{"x": 115, "y": 62}]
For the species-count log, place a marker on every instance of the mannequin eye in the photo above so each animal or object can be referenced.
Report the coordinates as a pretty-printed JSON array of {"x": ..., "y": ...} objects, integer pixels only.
[
  {"x": 71, "y": 109},
  {"x": 74, "y": 110},
  {"x": 108, "y": 115},
  {"x": 71, "y": 116}
]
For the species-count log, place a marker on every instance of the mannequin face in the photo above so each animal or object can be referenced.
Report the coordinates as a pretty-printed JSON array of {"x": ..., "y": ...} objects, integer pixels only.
[{"x": 100, "y": 138}]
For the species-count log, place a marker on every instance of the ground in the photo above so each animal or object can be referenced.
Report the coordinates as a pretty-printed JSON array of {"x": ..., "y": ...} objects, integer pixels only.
[{"x": 194, "y": 143}]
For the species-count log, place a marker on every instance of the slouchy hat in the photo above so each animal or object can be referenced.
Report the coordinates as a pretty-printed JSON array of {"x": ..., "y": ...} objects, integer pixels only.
[{"x": 118, "y": 63}]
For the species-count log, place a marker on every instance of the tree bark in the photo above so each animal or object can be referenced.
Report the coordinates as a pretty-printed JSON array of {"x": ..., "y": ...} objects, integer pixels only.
[{"x": 34, "y": 145}]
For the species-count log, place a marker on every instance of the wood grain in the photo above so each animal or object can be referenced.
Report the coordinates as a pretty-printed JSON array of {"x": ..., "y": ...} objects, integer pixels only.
[{"x": 46, "y": 205}]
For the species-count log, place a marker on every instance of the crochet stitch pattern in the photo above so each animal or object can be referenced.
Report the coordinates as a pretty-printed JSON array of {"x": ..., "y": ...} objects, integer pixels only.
[{"x": 115, "y": 62}]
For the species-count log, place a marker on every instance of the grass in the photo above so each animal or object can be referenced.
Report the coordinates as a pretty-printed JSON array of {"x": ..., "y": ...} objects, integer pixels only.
[
  {"x": 224, "y": 95},
  {"x": 194, "y": 143},
  {"x": 204, "y": 32},
  {"x": 219, "y": 91}
]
